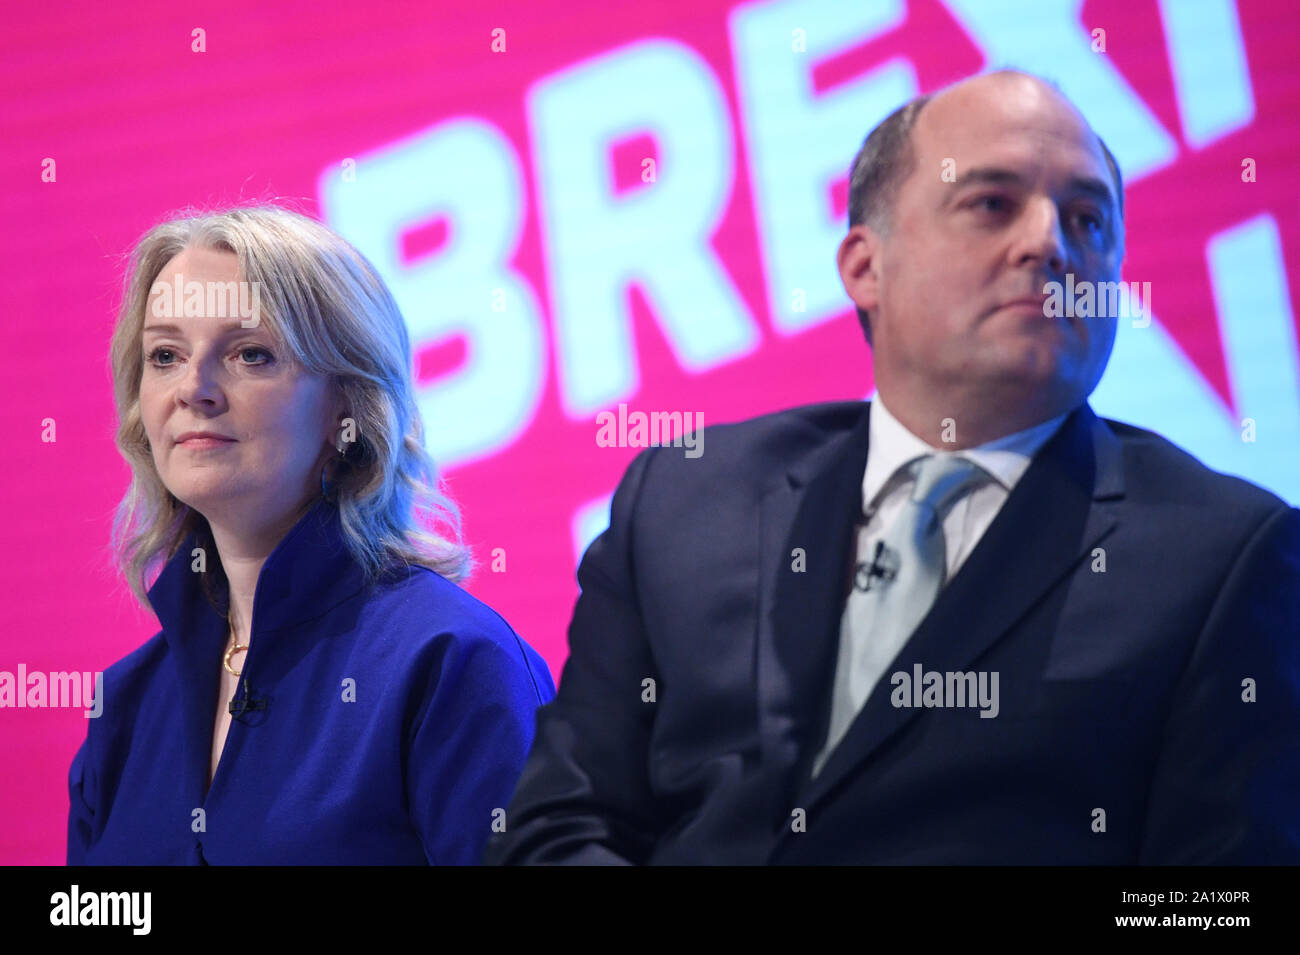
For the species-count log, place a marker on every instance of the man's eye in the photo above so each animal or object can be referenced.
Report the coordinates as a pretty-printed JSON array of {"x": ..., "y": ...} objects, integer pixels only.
[
  {"x": 991, "y": 203},
  {"x": 1089, "y": 223}
]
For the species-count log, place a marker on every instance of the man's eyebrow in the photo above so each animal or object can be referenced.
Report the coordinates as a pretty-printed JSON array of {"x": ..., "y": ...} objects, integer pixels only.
[
  {"x": 994, "y": 175},
  {"x": 1094, "y": 187},
  {"x": 991, "y": 175}
]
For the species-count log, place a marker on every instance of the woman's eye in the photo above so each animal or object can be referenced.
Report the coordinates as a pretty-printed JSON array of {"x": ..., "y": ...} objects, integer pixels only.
[
  {"x": 249, "y": 355},
  {"x": 260, "y": 356}
]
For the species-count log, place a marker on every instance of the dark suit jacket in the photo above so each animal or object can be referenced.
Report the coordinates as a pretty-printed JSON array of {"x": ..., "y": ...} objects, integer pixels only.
[{"x": 1121, "y": 689}]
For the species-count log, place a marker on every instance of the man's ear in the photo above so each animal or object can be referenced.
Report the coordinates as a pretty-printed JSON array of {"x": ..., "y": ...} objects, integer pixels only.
[{"x": 859, "y": 264}]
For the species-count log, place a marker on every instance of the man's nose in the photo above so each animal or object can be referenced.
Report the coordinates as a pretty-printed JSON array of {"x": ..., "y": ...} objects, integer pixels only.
[{"x": 1040, "y": 238}]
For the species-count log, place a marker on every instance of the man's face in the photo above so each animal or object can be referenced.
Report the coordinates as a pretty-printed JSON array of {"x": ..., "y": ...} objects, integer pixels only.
[
  {"x": 962, "y": 267},
  {"x": 209, "y": 374}
]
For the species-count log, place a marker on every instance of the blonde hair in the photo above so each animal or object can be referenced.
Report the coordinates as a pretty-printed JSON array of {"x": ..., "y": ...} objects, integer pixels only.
[{"x": 327, "y": 306}]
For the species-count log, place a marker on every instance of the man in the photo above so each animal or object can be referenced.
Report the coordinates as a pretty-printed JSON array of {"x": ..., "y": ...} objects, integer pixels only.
[{"x": 968, "y": 623}]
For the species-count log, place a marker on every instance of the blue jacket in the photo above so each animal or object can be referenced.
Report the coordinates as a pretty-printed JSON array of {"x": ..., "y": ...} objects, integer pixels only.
[{"x": 388, "y": 725}]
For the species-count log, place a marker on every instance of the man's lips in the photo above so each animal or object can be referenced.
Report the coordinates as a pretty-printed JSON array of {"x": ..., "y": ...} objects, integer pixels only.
[{"x": 1028, "y": 301}]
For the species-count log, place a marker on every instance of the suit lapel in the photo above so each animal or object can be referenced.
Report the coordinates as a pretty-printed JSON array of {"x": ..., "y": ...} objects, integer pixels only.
[
  {"x": 806, "y": 526},
  {"x": 1045, "y": 526}
]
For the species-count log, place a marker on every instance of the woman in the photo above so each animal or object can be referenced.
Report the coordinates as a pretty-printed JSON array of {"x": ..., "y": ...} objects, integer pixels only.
[{"x": 321, "y": 692}]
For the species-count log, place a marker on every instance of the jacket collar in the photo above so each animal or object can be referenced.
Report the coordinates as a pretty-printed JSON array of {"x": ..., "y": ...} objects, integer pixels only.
[
  {"x": 308, "y": 572},
  {"x": 893, "y": 447}
]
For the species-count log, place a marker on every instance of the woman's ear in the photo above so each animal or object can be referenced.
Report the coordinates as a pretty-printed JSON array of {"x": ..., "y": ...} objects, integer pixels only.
[{"x": 859, "y": 264}]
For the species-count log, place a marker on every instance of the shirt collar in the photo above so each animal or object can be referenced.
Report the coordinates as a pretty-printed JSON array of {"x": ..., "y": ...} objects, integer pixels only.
[
  {"x": 308, "y": 572},
  {"x": 891, "y": 447}
]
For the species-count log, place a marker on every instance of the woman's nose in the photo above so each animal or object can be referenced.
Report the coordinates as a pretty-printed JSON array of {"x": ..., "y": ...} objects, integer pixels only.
[{"x": 198, "y": 384}]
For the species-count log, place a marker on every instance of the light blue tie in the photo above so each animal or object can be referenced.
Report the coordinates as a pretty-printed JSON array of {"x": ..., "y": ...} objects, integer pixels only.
[{"x": 878, "y": 621}]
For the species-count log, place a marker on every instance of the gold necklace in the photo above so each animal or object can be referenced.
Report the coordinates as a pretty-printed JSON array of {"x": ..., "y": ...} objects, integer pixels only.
[{"x": 236, "y": 647}]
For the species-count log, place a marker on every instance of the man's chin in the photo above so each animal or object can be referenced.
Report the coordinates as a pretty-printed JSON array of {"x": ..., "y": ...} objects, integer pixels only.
[
  {"x": 1026, "y": 362},
  {"x": 1026, "y": 375}
]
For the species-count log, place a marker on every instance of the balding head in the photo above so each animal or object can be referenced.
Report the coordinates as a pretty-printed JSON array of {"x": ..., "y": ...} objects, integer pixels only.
[
  {"x": 887, "y": 157},
  {"x": 1013, "y": 92}
]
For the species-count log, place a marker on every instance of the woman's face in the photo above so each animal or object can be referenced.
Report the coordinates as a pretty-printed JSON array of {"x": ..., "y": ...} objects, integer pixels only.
[{"x": 269, "y": 423}]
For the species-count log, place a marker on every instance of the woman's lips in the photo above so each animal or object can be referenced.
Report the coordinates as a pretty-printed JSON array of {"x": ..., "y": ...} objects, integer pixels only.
[{"x": 204, "y": 441}]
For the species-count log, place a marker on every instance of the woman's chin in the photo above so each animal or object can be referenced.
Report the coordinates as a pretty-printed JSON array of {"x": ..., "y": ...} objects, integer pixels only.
[{"x": 207, "y": 496}]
